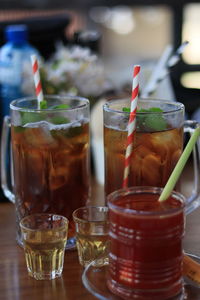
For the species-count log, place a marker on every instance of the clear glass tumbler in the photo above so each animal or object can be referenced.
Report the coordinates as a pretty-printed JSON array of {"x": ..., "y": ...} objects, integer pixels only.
[
  {"x": 44, "y": 239},
  {"x": 92, "y": 234}
]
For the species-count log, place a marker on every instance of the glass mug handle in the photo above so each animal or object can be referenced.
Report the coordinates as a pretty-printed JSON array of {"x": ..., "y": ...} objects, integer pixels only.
[
  {"x": 5, "y": 167},
  {"x": 194, "y": 200}
]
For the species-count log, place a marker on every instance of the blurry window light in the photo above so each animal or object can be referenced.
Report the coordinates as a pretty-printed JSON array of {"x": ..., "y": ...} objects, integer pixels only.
[
  {"x": 119, "y": 18},
  {"x": 152, "y": 15},
  {"x": 191, "y": 30},
  {"x": 191, "y": 80},
  {"x": 100, "y": 14}
]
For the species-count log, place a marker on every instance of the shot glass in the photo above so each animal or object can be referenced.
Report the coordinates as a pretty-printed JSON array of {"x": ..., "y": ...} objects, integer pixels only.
[
  {"x": 92, "y": 228},
  {"x": 44, "y": 240}
]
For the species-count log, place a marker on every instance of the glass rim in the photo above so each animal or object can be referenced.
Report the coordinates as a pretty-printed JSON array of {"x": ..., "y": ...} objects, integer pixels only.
[
  {"x": 111, "y": 198},
  {"x": 22, "y": 226},
  {"x": 81, "y": 220},
  {"x": 177, "y": 106},
  {"x": 13, "y": 104}
]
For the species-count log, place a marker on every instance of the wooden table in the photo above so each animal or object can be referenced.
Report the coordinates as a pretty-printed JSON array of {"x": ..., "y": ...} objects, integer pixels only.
[{"x": 15, "y": 284}]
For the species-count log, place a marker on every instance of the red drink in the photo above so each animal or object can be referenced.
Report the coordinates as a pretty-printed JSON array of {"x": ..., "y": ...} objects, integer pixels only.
[{"x": 145, "y": 259}]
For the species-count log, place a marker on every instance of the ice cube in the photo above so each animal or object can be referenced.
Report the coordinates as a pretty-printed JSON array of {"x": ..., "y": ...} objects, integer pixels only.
[
  {"x": 142, "y": 151},
  {"x": 150, "y": 169},
  {"x": 39, "y": 136},
  {"x": 58, "y": 176},
  {"x": 166, "y": 143},
  {"x": 170, "y": 138},
  {"x": 175, "y": 157},
  {"x": 49, "y": 126},
  {"x": 145, "y": 163},
  {"x": 118, "y": 122}
]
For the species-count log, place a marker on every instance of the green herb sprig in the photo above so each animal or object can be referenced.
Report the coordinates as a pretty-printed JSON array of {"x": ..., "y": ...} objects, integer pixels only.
[
  {"x": 152, "y": 121},
  {"x": 31, "y": 117}
]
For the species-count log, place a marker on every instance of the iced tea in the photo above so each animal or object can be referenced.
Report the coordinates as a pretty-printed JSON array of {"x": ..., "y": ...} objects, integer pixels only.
[
  {"x": 157, "y": 147},
  {"x": 51, "y": 165}
]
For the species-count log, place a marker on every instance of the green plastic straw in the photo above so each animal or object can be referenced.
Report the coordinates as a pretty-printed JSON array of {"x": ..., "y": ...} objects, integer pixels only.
[{"x": 179, "y": 166}]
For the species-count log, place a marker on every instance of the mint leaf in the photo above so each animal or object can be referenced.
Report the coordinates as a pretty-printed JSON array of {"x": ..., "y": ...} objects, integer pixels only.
[
  {"x": 31, "y": 117},
  {"x": 74, "y": 131},
  {"x": 155, "y": 122},
  {"x": 126, "y": 109},
  {"x": 59, "y": 120},
  {"x": 155, "y": 109},
  {"x": 60, "y": 106},
  {"x": 151, "y": 109},
  {"x": 143, "y": 110},
  {"x": 43, "y": 104},
  {"x": 68, "y": 133},
  {"x": 149, "y": 121}
]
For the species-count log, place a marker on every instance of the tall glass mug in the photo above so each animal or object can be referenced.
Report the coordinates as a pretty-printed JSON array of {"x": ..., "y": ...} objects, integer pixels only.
[
  {"x": 157, "y": 145},
  {"x": 50, "y": 157}
]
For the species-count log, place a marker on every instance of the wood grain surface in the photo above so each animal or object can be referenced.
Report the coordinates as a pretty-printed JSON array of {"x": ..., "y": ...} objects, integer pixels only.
[{"x": 15, "y": 284}]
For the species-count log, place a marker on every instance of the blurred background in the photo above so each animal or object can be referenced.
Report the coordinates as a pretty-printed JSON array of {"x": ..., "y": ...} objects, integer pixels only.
[
  {"x": 121, "y": 32},
  {"x": 118, "y": 35}
]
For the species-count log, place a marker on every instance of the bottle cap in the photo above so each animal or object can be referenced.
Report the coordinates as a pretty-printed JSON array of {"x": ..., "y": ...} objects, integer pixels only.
[{"x": 16, "y": 33}]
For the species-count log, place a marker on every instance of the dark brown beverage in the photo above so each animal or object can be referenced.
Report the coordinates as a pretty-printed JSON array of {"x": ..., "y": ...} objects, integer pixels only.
[
  {"x": 153, "y": 158},
  {"x": 157, "y": 143},
  {"x": 51, "y": 169}
]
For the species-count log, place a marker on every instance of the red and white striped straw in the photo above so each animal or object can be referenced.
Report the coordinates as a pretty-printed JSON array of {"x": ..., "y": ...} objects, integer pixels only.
[
  {"x": 37, "y": 81},
  {"x": 131, "y": 124}
]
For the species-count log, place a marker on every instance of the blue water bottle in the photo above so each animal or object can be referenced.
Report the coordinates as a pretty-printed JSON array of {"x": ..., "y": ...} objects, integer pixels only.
[{"x": 16, "y": 78}]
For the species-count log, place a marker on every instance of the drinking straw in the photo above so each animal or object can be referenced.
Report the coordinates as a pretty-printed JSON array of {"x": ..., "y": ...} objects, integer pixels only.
[
  {"x": 174, "y": 59},
  {"x": 37, "y": 81},
  {"x": 161, "y": 69},
  {"x": 158, "y": 70},
  {"x": 179, "y": 166},
  {"x": 131, "y": 123}
]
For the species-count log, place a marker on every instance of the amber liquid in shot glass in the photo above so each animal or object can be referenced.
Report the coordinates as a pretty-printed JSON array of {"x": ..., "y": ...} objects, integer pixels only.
[
  {"x": 44, "y": 240},
  {"x": 92, "y": 234}
]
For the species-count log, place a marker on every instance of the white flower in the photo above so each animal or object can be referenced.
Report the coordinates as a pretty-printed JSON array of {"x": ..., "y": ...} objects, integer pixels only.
[{"x": 78, "y": 68}]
